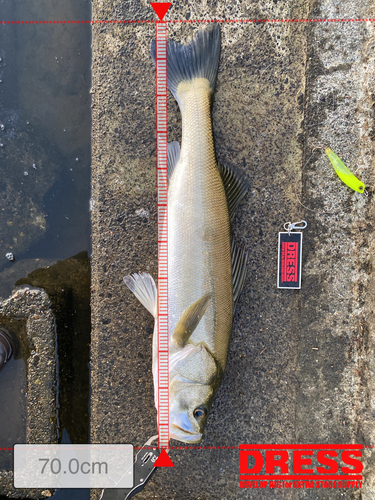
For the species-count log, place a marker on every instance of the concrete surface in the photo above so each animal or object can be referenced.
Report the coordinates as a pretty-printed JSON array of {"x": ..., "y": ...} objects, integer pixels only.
[
  {"x": 33, "y": 306},
  {"x": 300, "y": 366},
  {"x": 67, "y": 284}
]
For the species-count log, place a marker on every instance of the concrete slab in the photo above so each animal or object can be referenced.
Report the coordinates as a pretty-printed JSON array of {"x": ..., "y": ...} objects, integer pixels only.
[
  {"x": 300, "y": 362},
  {"x": 67, "y": 284},
  {"x": 33, "y": 306}
]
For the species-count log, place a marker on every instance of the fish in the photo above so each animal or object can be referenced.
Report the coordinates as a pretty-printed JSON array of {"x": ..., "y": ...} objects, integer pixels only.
[{"x": 206, "y": 267}]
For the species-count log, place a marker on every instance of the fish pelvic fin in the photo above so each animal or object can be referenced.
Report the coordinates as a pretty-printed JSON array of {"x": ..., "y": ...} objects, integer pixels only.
[
  {"x": 189, "y": 320},
  {"x": 198, "y": 59},
  {"x": 235, "y": 187},
  {"x": 144, "y": 288},
  {"x": 173, "y": 155}
]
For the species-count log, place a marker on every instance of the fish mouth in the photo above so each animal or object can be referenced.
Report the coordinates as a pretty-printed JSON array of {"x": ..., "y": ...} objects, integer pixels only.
[{"x": 180, "y": 434}]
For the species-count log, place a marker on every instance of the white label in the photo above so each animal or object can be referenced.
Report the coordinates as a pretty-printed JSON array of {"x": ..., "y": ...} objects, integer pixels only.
[{"x": 73, "y": 466}]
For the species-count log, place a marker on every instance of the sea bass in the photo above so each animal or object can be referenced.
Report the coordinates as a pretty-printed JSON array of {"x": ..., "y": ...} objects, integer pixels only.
[{"x": 206, "y": 269}]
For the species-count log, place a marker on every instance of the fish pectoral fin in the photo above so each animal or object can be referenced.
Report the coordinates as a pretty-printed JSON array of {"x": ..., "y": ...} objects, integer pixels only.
[
  {"x": 239, "y": 261},
  {"x": 173, "y": 155},
  {"x": 144, "y": 288},
  {"x": 235, "y": 188},
  {"x": 189, "y": 320}
]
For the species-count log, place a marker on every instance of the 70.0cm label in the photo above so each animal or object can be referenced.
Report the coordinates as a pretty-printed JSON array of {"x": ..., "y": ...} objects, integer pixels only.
[{"x": 73, "y": 466}]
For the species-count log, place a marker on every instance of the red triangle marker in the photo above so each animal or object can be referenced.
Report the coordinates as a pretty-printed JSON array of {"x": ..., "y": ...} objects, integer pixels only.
[
  {"x": 163, "y": 460},
  {"x": 161, "y": 9}
]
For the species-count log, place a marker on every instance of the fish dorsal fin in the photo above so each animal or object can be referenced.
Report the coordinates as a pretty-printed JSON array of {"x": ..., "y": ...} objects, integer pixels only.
[
  {"x": 189, "y": 320},
  {"x": 144, "y": 288},
  {"x": 173, "y": 155},
  {"x": 235, "y": 188},
  {"x": 239, "y": 261}
]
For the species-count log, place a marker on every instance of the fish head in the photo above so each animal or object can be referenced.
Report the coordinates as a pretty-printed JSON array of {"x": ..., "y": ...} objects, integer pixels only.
[
  {"x": 189, "y": 410},
  {"x": 192, "y": 388}
]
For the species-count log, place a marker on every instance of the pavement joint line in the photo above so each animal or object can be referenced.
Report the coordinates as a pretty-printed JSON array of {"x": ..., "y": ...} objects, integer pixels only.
[{"x": 153, "y": 21}]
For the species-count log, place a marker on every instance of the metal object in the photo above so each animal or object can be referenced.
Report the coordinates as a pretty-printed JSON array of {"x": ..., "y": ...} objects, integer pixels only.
[
  {"x": 7, "y": 347},
  {"x": 143, "y": 470},
  {"x": 288, "y": 226}
]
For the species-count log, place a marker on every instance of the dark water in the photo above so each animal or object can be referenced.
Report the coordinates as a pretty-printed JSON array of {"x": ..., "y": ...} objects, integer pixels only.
[
  {"x": 45, "y": 127},
  {"x": 45, "y": 153},
  {"x": 13, "y": 390}
]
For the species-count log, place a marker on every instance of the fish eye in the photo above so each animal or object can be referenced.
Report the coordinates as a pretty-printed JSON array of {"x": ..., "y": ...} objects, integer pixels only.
[{"x": 200, "y": 412}]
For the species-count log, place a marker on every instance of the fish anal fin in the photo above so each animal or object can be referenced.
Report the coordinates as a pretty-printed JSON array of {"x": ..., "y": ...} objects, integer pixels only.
[
  {"x": 144, "y": 288},
  {"x": 239, "y": 261},
  {"x": 235, "y": 188},
  {"x": 173, "y": 155},
  {"x": 189, "y": 320}
]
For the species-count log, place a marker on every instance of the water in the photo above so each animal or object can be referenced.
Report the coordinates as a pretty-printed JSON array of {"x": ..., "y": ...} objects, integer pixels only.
[
  {"x": 45, "y": 125},
  {"x": 45, "y": 112}
]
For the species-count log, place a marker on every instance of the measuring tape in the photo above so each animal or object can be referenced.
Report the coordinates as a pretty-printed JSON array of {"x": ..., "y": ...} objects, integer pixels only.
[{"x": 162, "y": 233}]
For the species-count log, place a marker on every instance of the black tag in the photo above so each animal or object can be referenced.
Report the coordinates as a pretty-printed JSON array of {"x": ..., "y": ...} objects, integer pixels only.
[{"x": 289, "y": 260}]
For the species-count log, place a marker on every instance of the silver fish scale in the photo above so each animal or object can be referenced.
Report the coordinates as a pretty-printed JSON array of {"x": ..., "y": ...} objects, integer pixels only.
[{"x": 199, "y": 257}]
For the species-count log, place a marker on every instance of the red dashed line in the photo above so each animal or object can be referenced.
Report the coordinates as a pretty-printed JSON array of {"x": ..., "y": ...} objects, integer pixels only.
[
  {"x": 143, "y": 21},
  {"x": 191, "y": 447},
  {"x": 208, "y": 447},
  {"x": 172, "y": 448}
]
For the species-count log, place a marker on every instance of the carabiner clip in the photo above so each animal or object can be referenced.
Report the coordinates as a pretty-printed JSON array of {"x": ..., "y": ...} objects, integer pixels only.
[{"x": 288, "y": 226}]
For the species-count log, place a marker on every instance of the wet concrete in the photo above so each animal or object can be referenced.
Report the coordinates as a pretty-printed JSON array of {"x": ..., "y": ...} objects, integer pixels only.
[
  {"x": 67, "y": 284},
  {"x": 300, "y": 363},
  {"x": 62, "y": 383},
  {"x": 32, "y": 307}
]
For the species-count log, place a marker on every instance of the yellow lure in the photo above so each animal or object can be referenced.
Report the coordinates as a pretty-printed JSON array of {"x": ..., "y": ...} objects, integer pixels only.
[{"x": 344, "y": 173}]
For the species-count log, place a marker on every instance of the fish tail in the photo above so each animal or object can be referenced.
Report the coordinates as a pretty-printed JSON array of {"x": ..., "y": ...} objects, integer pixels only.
[{"x": 198, "y": 59}]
